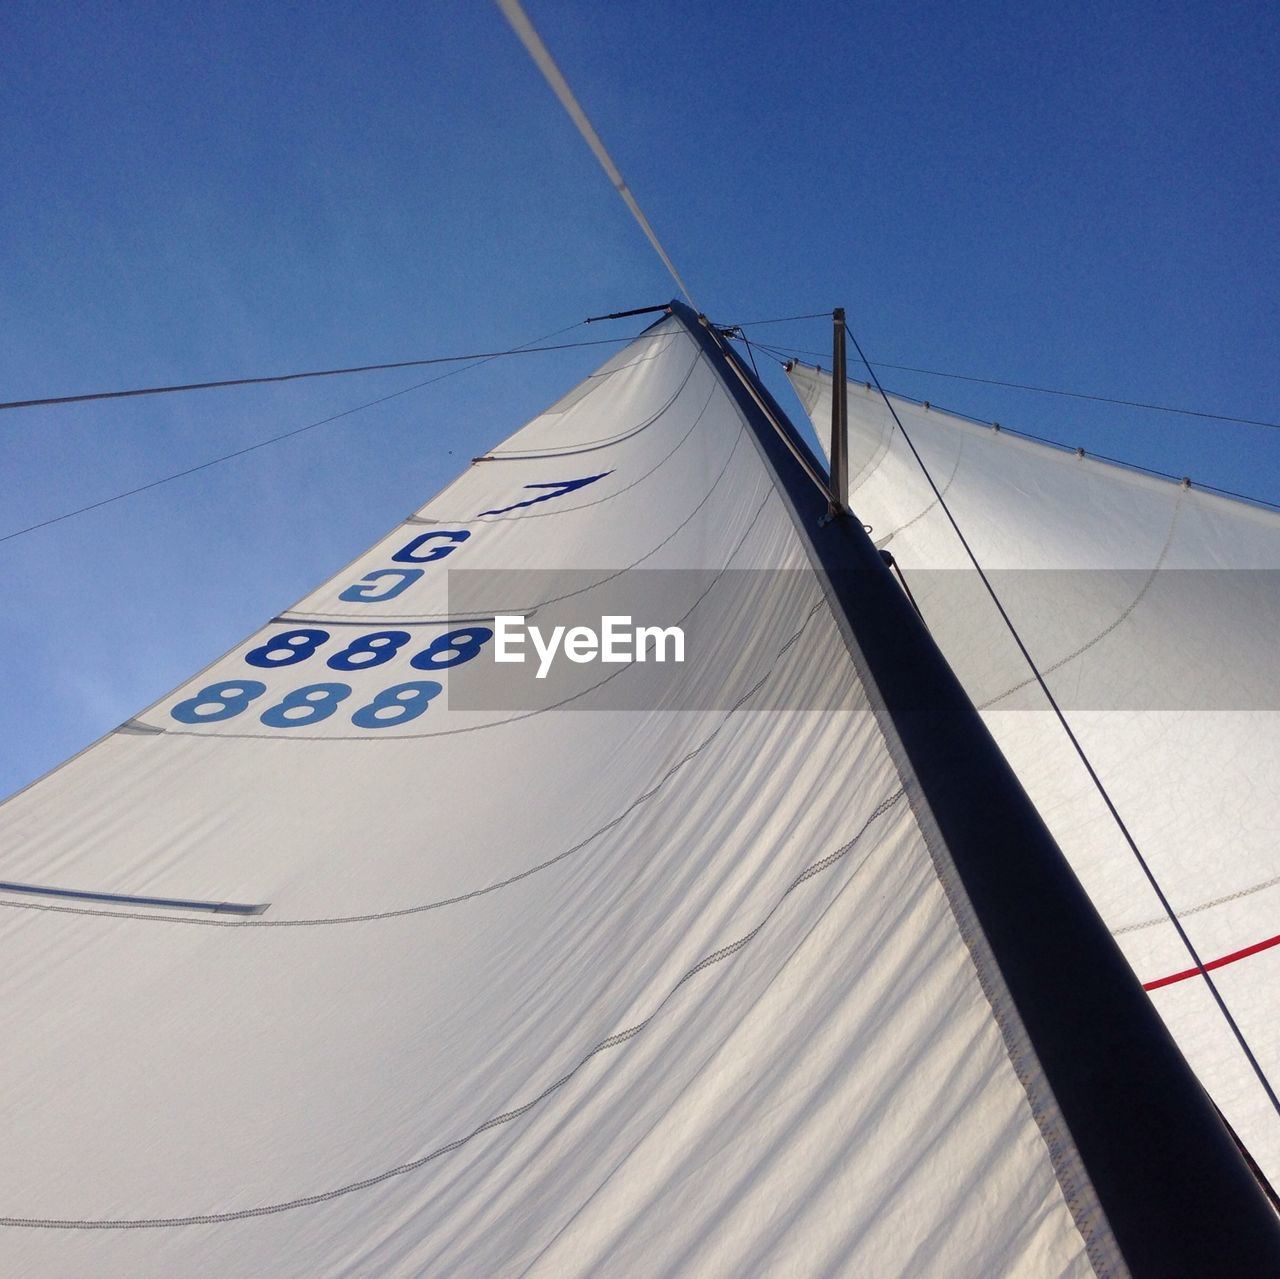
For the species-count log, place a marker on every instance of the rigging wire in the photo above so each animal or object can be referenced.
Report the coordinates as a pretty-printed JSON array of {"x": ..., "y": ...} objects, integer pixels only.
[
  {"x": 1085, "y": 395},
  {"x": 750, "y": 350},
  {"x": 891, "y": 560},
  {"x": 514, "y": 12},
  {"x": 286, "y": 435},
  {"x": 1047, "y": 390},
  {"x": 783, "y": 319},
  {"x": 785, "y": 356},
  {"x": 1079, "y": 749},
  {"x": 479, "y": 357}
]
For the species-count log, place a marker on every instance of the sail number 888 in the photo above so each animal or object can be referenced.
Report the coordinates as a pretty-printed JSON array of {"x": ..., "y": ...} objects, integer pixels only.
[
  {"x": 366, "y": 651},
  {"x": 308, "y": 705},
  {"x": 315, "y": 702}
]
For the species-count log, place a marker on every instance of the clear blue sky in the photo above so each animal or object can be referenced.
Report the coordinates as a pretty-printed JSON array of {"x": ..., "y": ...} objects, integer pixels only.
[{"x": 1079, "y": 195}]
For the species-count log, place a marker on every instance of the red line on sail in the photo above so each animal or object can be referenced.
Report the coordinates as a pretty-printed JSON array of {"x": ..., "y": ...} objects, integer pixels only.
[{"x": 1213, "y": 963}]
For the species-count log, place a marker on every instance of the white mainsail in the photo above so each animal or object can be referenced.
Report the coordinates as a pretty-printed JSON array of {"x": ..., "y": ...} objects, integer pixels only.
[
  {"x": 555, "y": 993},
  {"x": 1151, "y": 608}
]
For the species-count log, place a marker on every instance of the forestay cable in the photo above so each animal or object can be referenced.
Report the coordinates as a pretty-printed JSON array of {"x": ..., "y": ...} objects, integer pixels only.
[{"x": 520, "y": 24}]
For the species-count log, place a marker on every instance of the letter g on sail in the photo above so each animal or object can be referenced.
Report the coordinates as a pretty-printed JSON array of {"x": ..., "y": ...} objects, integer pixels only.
[
  {"x": 366, "y": 592},
  {"x": 407, "y": 554}
]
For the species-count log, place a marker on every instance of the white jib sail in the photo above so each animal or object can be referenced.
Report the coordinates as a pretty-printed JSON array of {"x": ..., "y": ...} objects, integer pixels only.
[
  {"x": 554, "y": 992},
  {"x": 1152, "y": 609}
]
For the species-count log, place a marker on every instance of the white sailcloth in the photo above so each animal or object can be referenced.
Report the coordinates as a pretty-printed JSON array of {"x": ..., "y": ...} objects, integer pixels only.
[
  {"x": 1152, "y": 608},
  {"x": 559, "y": 992}
]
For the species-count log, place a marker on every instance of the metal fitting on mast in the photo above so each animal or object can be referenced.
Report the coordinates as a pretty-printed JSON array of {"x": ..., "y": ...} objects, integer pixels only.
[{"x": 839, "y": 504}]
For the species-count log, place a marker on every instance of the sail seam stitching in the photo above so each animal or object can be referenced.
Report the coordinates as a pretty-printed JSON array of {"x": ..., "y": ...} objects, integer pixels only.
[
  {"x": 600, "y": 501},
  {"x": 1102, "y": 634},
  {"x": 1195, "y": 910},
  {"x": 919, "y": 515},
  {"x": 595, "y": 446}
]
